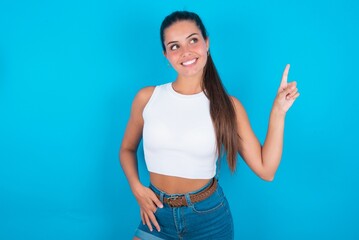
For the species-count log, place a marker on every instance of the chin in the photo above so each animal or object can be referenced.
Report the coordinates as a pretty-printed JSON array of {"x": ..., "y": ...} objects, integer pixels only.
[{"x": 191, "y": 72}]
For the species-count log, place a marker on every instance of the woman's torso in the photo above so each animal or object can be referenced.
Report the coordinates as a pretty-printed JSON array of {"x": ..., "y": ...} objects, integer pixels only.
[{"x": 179, "y": 140}]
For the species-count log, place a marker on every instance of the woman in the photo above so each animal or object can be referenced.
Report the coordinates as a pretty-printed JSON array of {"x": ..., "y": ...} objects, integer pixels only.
[{"x": 186, "y": 125}]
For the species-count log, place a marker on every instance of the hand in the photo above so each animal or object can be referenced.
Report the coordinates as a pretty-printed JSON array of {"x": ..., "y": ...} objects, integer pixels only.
[
  {"x": 148, "y": 202},
  {"x": 287, "y": 93}
]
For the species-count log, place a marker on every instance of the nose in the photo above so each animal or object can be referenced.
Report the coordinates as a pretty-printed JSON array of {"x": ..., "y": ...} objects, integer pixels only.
[{"x": 185, "y": 50}]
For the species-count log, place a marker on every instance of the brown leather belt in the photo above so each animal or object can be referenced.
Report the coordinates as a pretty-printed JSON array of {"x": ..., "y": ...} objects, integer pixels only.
[{"x": 180, "y": 201}]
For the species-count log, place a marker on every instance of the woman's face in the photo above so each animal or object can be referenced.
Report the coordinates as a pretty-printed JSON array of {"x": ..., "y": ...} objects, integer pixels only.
[{"x": 186, "y": 49}]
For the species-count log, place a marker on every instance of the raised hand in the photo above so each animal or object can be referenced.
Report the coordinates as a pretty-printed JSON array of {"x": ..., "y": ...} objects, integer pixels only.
[
  {"x": 287, "y": 93},
  {"x": 148, "y": 202}
]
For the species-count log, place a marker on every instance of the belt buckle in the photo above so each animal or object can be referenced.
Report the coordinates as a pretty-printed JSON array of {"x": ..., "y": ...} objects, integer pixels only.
[{"x": 170, "y": 201}]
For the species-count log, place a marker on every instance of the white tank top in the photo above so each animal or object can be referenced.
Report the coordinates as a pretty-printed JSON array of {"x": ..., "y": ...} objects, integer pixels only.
[{"x": 178, "y": 134}]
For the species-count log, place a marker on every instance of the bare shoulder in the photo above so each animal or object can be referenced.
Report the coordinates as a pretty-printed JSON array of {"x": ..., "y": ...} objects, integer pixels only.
[
  {"x": 237, "y": 105},
  {"x": 143, "y": 96}
]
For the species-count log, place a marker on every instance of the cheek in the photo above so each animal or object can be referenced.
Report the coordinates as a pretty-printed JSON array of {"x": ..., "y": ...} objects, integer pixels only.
[
  {"x": 201, "y": 49},
  {"x": 172, "y": 56}
]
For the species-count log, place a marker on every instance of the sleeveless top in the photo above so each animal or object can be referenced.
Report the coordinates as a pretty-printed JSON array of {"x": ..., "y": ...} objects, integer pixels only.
[{"x": 178, "y": 134}]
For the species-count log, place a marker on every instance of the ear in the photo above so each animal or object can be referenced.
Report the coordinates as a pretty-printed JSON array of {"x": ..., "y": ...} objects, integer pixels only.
[
  {"x": 164, "y": 53},
  {"x": 207, "y": 43}
]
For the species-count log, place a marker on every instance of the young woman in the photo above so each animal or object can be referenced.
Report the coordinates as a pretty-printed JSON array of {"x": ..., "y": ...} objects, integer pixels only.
[{"x": 186, "y": 125}]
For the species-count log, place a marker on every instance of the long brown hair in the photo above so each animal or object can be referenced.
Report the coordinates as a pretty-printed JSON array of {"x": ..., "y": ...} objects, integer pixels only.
[{"x": 221, "y": 106}]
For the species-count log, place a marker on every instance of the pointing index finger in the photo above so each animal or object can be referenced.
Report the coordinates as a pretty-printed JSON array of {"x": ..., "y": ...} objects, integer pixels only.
[{"x": 284, "y": 81}]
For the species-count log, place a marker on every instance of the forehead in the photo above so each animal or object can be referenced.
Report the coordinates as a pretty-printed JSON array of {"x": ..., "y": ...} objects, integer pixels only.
[{"x": 180, "y": 30}]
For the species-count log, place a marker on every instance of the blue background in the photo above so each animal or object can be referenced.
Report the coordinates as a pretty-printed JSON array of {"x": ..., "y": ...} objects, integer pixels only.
[{"x": 69, "y": 71}]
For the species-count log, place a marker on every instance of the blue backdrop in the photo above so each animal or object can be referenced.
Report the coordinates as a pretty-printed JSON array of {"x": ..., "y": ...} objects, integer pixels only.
[{"x": 69, "y": 71}]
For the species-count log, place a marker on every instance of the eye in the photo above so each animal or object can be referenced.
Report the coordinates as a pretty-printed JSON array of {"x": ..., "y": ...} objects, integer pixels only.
[
  {"x": 193, "y": 40},
  {"x": 174, "y": 47}
]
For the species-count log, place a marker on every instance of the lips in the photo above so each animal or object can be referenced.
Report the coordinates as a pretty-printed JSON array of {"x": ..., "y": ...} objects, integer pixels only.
[{"x": 189, "y": 62}]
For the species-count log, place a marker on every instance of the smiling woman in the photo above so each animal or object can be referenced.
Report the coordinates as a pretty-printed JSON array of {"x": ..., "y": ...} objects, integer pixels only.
[
  {"x": 186, "y": 53},
  {"x": 186, "y": 126}
]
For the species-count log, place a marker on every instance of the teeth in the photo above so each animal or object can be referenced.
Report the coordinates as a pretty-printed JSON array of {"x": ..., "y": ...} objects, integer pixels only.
[{"x": 189, "y": 62}]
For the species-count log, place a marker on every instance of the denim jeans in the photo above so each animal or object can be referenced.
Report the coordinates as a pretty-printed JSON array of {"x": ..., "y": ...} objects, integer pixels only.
[{"x": 208, "y": 219}]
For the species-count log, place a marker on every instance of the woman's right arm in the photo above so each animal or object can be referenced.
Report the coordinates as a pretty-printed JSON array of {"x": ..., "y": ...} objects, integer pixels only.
[{"x": 128, "y": 158}]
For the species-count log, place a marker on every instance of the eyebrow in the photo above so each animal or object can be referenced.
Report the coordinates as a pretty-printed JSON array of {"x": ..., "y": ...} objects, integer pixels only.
[{"x": 186, "y": 38}]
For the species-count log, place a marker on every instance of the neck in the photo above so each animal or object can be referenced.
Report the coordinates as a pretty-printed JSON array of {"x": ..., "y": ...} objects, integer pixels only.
[{"x": 188, "y": 85}]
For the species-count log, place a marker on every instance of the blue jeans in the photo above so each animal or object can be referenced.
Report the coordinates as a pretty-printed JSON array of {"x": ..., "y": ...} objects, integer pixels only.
[{"x": 208, "y": 219}]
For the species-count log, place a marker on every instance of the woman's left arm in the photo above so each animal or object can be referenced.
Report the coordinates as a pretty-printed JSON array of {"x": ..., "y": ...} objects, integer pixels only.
[{"x": 264, "y": 160}]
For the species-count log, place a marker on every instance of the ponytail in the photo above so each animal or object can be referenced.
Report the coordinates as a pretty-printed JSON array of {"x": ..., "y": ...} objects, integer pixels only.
[{"x": 222, "y": 113}]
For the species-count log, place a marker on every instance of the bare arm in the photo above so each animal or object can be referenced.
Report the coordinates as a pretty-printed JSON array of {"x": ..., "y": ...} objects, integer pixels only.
[
  {"x": 132, "y": 137},
  {"x": 264, "y": 161},
  {"x": 128, "y": 158}
]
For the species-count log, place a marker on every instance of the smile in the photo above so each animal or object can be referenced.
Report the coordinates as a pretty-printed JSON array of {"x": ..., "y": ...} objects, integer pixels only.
[{"x": 190, "y": 62}]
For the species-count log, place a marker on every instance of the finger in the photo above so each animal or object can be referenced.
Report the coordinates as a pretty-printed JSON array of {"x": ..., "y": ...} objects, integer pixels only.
[
  {"x": 290, "y": 92},
  {"x": 292, "y": 98},
  {"x": 157, "y": 202},
  {"x": 148, "y": 222},
  {"x": 293, "y": 93},
  {"x": 292, "y": 84},
  {"x": 284, "y": 81},
  {"x": 152, "y": 209},
  {"x": 142, "y": 217},
  {"x": 154, "y": 221},
  {"x": 285, "y": 93},
  {"x": 295, "y": 96},
  {"x": 292, "y": 89}
]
